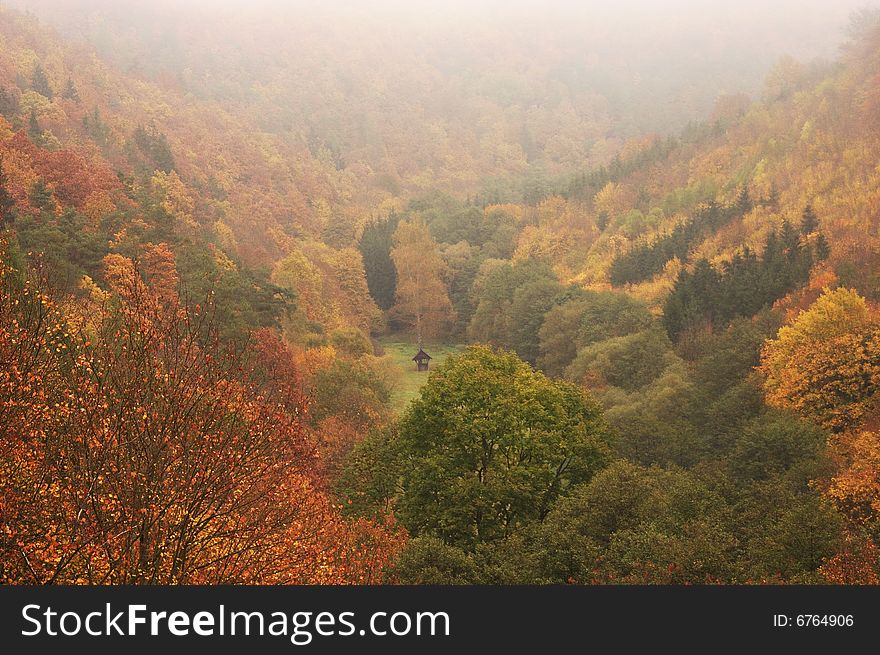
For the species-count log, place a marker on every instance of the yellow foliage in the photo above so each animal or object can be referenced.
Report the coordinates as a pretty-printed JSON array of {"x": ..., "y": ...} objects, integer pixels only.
[
  {"x": 323, "y": 212},
  {"x": 176, "y": 200},
  {"x": 856, "y": 489},
  {"x": 826, "y": 364},
  {"x": 610, "y": 199},
  {"x": 225, "y": 236},
  {"x": 97, "y": 205},
  {"x": 31, "y": 101},
  {"x": 421, "y": 298},
  {"x": 389, "y": 205},
  {"x": 330, "y": 286},
  {"x": 515, "y": 211},
  {"x": 221, "y": 259},
  {"x": 313, "y": 360},
  {"x": 94, "y": 292}
]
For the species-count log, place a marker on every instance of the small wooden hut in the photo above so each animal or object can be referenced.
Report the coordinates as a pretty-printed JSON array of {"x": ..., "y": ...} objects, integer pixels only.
[{"x": 421, "y": 359}]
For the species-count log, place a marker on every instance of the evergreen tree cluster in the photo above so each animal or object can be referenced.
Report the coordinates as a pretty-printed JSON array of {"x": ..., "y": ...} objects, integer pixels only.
[
  {"x": 70, "y": 91},
  {"x": 8, "y": 104},
  {"x": 154, "y": 145},
  {"x": 709, "y": 296},
  {"x": 644, "y": 261},
  {"x": 375, "y": 247},
  {"x": 582, "y": 186},
  {"x": 585, "y": 185},
  {"x": 95, "y": 127},
  {"x": 40, "y": 82},
  {"x": 35, "y": 131}
]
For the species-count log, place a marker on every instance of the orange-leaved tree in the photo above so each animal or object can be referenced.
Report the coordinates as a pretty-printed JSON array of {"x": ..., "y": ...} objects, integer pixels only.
[
  {"x": 825, "y": 365},
  {"x": 138, "y": 448}
]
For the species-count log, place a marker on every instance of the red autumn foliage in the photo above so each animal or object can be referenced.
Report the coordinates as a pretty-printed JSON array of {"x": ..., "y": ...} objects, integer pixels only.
[
  {"x": 73, "y": 174},
  {"x": 855, "y": 563}
]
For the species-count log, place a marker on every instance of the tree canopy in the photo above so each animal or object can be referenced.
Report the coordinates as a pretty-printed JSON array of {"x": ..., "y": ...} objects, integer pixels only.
[{"x": 489, "y": 446}]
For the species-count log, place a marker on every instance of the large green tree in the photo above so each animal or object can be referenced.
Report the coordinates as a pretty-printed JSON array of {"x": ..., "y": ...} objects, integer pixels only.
[
  {"x": 507, "y": 314},
  {"x": 529, "y": 305},
  {"x": 586, "y": 318},
  {"x": 489, "y": 446}
]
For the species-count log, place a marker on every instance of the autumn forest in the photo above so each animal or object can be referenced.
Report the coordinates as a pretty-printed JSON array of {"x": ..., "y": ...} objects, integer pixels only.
[{"x": 640, "y": 245}]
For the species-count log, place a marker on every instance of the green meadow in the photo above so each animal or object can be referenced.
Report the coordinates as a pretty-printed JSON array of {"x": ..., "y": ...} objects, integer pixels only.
[{"x": 408, "y": 381}]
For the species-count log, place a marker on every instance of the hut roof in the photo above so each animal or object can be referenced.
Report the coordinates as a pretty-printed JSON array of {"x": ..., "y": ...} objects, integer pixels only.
[{"x": 421, "y": 356}]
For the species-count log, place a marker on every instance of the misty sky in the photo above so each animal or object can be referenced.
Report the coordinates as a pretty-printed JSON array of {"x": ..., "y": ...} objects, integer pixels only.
[
  {"x": 678, "y": 54},
  {"x": 810, "y": 24}
]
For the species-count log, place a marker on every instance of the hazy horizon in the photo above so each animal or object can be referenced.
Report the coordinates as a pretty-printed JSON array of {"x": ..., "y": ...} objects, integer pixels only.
[{"x": 740, "y": 42}]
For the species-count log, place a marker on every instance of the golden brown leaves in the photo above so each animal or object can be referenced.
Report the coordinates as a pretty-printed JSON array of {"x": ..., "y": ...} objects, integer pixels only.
[
  {"x": 148, "y": 451},
  {"x": 826, "y": 364}
]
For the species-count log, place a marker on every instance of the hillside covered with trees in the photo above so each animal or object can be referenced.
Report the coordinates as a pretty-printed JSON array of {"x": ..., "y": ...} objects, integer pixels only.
[{"x": 658, "y": 301}]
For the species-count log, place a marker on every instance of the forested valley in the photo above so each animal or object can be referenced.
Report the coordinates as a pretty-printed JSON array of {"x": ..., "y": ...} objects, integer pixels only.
[{"x": 652, "y": 307}]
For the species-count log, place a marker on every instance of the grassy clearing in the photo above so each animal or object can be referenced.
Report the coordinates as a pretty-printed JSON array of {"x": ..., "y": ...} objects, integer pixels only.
[{"x": 399, "y": 351}]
